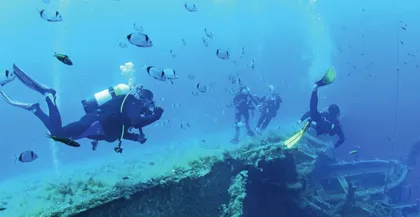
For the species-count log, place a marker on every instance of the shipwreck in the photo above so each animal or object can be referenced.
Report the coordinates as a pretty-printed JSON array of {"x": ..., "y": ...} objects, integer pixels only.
[{"x": 259, "y": 178}]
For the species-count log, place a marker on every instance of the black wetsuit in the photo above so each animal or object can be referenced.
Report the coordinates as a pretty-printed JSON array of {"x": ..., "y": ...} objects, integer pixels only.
[
  {"x": 269, "y": 105},
  {"x": 104, "y": 124},
  {"x": 326, "y": 123},
  {"x": 243, "y": 103}
]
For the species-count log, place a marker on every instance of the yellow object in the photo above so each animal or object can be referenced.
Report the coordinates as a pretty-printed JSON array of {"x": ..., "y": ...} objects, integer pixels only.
[
  {"x": 329, "y": 77},
  {"x": 295, "y": 138}
]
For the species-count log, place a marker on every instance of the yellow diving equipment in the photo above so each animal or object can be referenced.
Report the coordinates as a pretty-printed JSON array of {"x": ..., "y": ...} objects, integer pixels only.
[
  {"x": 98, "y": 99},
  {"x": 329, "y": 77},
  {"x": 295, "y": 138}
]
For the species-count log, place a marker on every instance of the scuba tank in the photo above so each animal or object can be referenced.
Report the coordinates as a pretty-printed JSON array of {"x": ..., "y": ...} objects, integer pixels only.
[{"x": 93, "y": 103}]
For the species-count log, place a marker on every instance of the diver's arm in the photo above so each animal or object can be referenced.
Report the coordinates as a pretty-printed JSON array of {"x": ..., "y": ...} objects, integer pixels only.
[
  {"x": 305, "y": 116},
  {"x": 146, "y": 120},
  {"x": 340, "y": 134},
  {"x": 278, "y": 102}
]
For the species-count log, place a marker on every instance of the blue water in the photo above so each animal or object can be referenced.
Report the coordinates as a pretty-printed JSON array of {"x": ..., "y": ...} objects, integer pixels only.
[{"x": 293, "y": 42}]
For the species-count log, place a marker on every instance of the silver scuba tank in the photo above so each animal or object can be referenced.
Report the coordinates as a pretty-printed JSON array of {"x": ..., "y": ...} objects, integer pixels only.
[{"x": 93, "y": 103}]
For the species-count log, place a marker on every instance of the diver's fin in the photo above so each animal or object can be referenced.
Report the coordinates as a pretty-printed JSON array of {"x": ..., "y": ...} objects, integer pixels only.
[
  {"x": 32, "y": 83},
  {"x": 295, "y": 138},
  {"x": 328, "y": 78}
]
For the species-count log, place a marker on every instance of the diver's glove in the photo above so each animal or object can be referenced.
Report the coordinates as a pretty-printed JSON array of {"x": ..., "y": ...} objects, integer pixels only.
[{"x": 158, "y": 112}]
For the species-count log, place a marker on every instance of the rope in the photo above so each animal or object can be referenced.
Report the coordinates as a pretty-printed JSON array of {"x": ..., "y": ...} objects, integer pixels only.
[
  {"x": 397, "y": 103},
  {"x": 397, "y": 100},
  {"x": 118, "y": 148}
]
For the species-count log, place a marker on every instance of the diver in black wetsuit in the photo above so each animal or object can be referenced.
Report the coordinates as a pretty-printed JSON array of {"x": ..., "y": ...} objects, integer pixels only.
[
  {"x": 269, "y": 105},
  {"x": 325, "y": 122},
  {"x": 243, "y": 102},
  {"x": 105, "y": 123}
]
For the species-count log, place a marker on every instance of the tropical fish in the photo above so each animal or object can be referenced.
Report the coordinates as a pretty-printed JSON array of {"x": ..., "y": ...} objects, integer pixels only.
[
  {"x": 170, "y": 75},
  {"x": 353, "y": 152},
  {"x": 208, "y": 33},
  {"x": 201, "y": 87},
  {"x": 50, "y": 15},
  {"x": 222, "y": 54},
  {"x": 205, "y": 42},
  {"x": 190, "y": 7},
  {"x": 156, "y": 72},
  {"x": 26, "y": 157},
  {"x": 66, "y": 141},
  {"x": 63, "y": 58},
  {"x": 139, "y": 39}
]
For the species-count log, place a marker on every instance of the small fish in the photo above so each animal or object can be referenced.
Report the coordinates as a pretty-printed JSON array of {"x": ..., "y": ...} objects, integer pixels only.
[
  {"x": 122, "y": 44},
  {"x": 50, "y": 15},
  {"x": 176, "y": 105},
  {"x": 353, "y": 152},
  {"x": 63, "y": 58},
  {"x": 242, "y": 52},
  {"x": 184, "y": 42},
  {"x": 66, "y": 141},
  {"x": 26, "y": 157},
  {"x": 139, "y": 39},
  {"x": 204, "y": 141},
  {"x": 201, "y": 87},
  {"x": 208, "y": 33},
  {"x": 190, "y": 7},
  {"x": 205, "y": 42},
  {"x": 47, "y": 1},
  {"x": 125, "y": 178},
  {"x": 185, "y": 126},
  {"x": 191, "y": 77},
  {"x": 170, "y": 74},
  {"x": 403, "y": 27},
  {"x": 156, "y": 72},
  {"x": 138, "y": 28},
  {"x": 172, "y": 53},
  {"x": 2, "y": 208},
  {"x": 222, "y": 54},
  {"x": 252, "y": 64}
]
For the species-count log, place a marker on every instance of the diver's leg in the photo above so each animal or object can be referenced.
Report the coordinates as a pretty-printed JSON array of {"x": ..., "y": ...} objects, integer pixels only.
[
  {"x": 313, "y": 106},
  {"x": 33, "y": 107},
  {"x": 248, "y": 128},
  {"x": 54, "y": 114},
  {"x": 266, "y": 122},
  {"x": 75, "y": 129},
  {"x": 26, "y": 106},
  {"x": 32, "y": 83},
  {"x": 237, "y": 120},
  {"x": 260, "y": 120}
]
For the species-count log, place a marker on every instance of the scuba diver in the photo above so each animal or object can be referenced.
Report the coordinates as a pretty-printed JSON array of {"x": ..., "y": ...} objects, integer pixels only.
[
  {"x": 324, "y": 122},
  {"x": 243, "y": 102},
  {"x": 269, "y": 105},
  {"x": 110, "y": 115}
]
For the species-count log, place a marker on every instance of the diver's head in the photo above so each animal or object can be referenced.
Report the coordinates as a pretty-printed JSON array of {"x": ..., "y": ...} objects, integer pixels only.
[
  {"x": 244, "y": 90},
  {"x": 145, "y": 94},
  {"x": 271, "y": 88},
  {"x": 334, "y": 110}
]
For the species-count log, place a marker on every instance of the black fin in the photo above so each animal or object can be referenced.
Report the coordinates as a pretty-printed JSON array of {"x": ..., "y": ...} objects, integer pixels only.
[
  {"x": 56, "y": 14},
  {"x": 147, "y": 38},
  {"x": 129, "y": 36}
]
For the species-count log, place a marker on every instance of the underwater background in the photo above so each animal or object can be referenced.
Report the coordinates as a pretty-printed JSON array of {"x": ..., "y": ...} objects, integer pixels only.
[{"x": 292, "y": 42}]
